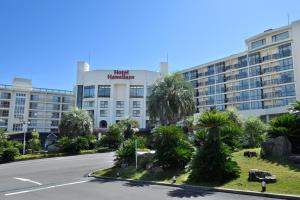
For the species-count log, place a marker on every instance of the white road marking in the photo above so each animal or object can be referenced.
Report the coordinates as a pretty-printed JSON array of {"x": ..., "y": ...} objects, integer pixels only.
[
  {"x": 45, "y": 188},
  {"x": 27, "y": 180}
]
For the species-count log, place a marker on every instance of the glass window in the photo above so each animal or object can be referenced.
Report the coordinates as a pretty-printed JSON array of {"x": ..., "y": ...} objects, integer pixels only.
[
  {"x": 243, "y": 84},
  {"x": 256, "y": 105},
  {"x": 33, "y": 114},
  {"x": 56, "y": 99},
  {"x": 220, "y": 78},
  {"x": 220, "y": 99},
  {"x": 54, "y": 123},
  {"x": 4, "y": 113},
  {"x": 285, "y": 64},
  {"x": 34, "y": 97},
  {"x": 220, "y": 67},
  {"x": 211, "y": 90},
  {"x": 55, "y": 107},
  {"x": 255, "y": 94},
  {"x": 65, "y": 107},
  {"x": 3, "y": 122},
  {"x": 55, "y": 115},
  {"x": 66, "y": 100},
  {"x": 79, "y": 96},
  {"x": 287, "y": 77},
  {"x": 33, "y": 105},
  {"x": 211, "y": 80},
  {"x": 89, "y": 91},
  {"x": 136, "y": 113},
  {"x": 258, "y": 43},
  {"x": 103, "y": 104},
  {"x": 255, "y": 82},
  {"x": 120, "y": 104},
  {"x": 20, "y": 105},
  {"x": 195, "y": 84},
  {"x": 5, "y": 95},
  {"x": 220, "y": 89},
  {"x": 17, "y": 127},
  {"x": 88, "y": 104},
  {"x": 242, "y": 61},
  {"x": 119, "y": 113},
  {"x": 244, "y": 106},
  {"x": 244, "y": 96},
  {"x": 104, "y": 91},
  {"x": 243, "y": 73},
  {"x": 254, "y": 58},
  {"x": 136, "y": 91},
  {"x": 285, "y": 50},
  {"x": 103, "y": 113},
  {"x": 193, "y": 74},
  {"x": 136, "y": 104},
  {"x": 210, "y": 70},
  {"x": 4, "y": 104},
  {"x": 280, "y": 36},
  {"x": 255, "y": 70}
]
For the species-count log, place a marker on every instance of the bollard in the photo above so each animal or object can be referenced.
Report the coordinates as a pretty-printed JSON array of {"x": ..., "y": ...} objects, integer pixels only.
[{"x": 263, "y": 185}]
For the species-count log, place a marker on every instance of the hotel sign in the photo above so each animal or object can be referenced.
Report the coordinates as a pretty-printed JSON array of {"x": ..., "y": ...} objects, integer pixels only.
[{"x": 120, "y": 74}]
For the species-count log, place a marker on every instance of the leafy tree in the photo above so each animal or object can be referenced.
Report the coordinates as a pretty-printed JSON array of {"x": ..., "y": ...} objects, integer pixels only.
[
  {"x": 75, "y": 123},
  {"x": 3, "y": 139},
  {"x": 295, "y": 108},
  {"x": 234, "y": 116},
  {"x": 127, "y": 125},
  {"x": 287, "y": 125},
  {"x": 232, "y": 135},
  {"x": 255, "y": 131},
  {"x": 171, "y": 99},
  {"x": 213, "y": 157},
  {"x": 10, "y": 153},
  {"x": 172, "y": 147},
  {"x": 126, "y": 152},
  {"x": 34, "y": 143},
  {"x": 113, "y": 138}
]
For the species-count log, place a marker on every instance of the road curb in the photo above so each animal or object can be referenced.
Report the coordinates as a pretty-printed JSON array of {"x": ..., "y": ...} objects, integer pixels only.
[{"x": 195, "y": 187}]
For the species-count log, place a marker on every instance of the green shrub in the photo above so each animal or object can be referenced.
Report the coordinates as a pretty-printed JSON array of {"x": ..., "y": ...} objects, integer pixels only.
[
  {"x": 113, "y": 138},
  {"x": 68, "y": 145},
  {"x": 172, "y": 147},
  {"x": 254, "y": 132},
  {"x": 126, "y": 152},
  {"x": 82, "y": 143},
  {"x": 34, "y": 143},
  {"x": 10, "y": 154},
  {"x": 92, "y": 141},
  {"x": 213, "y": 162}
]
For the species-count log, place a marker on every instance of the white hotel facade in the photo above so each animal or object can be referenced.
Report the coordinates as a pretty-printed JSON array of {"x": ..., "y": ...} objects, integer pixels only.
[
  {"x": 112, "y": 95},
  {"x": 260, "y": 81}
]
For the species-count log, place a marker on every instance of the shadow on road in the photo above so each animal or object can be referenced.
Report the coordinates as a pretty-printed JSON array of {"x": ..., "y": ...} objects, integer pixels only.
[{"x": 187, "y": 193}]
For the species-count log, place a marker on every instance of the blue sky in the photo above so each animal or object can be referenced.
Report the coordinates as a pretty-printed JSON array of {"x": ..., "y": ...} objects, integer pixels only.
[{"x": 43, "y": 39}]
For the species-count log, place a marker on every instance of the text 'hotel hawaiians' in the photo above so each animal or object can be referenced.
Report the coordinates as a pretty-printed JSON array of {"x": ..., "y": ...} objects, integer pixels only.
[{"x": 261, "y": 81}]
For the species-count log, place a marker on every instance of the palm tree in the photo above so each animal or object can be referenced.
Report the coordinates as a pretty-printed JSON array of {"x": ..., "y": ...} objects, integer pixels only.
[
  {"x": 295, "y": 108},
  {"x": 172, "y": 99},
  {"x": 213, "y": 121}
]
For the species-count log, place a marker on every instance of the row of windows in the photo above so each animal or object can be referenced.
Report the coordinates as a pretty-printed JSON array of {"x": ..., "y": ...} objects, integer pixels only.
[
  {"x": 136, "y": 91},
  {"x": 275, "y": 38},
  {"x": 120, "y": 113}
]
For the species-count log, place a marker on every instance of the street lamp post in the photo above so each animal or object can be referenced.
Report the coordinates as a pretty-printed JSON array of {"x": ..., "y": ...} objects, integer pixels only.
[{"x": 25, "y": 124}]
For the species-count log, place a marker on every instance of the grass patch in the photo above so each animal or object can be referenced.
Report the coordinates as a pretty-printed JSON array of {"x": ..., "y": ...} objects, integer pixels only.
[{"x": 288, "y": 175}]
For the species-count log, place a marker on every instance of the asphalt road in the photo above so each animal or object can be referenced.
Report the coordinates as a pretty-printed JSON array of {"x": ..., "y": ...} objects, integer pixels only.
[{"x": 65, "y": 178}]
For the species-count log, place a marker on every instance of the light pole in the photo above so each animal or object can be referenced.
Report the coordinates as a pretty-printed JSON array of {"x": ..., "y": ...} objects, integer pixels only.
[{"x": 25, "y": 124}]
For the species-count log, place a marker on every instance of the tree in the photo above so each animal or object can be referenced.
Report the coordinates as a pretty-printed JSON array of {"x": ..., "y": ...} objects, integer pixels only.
[
  {"x": 34, "y": 143},
  {"x": 254, "y": 131},
  {"x": 3, "y": 139},
  {"x": 171, "y": 99},
  {"x": 113, "y": 138},
  {"x": 213, "y": 157},
  {"x": 75, "y": 123},
  {"x": 127, "y": 126},
  {"x": 171, "y": 146},
  {"x": 295, "y": 108}
]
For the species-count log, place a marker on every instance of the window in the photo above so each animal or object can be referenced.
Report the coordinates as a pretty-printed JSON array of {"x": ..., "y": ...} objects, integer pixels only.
[
  {"x": 243, "y": 73},
  {"x": 34, "y": 97},
  {"x": 54, "y": 123},
  {"x": 104, "y": 91},
  {"x": 285, "y": 50},
  {"x": 210, "y": 70},
  {"x": 286, "y": 77},
  {"x": 255, "y": 82},
  {"x": 5, "y": 95},
  {"x": 258, "y": 43},
  {"x": 65, "y": 107},
  {"x": 136, "y": 91},
  {"x": 56, "y": 99},
  {"x": 20, "y": 105},
  {"x": 242, "y": 61},
  {"x": 211, "y": 90},
  {"x": 243, "y": 84},
  {"x": 254, "y": 58},
  {"x": 255, "y": 70},
  {"x": 79, "y": 96},
  {"x": 256, "y": 105},
  {"x": 220, "y": 78},
  {"x": 55, "y": 107},
  {"x": 88, "y": 104},
  {"x": 220, "y": 99},
  {"x": 17, "y": 127},
  {"x": 211, "y": 80},
  {"x": 33, "y": 114},
  {"x": 66, "y": 100},
  {"x": 195, "y": 84},
  {"x": 136, "y": 104},
  {"x": 4, "y": 113},
  {"x": 136, "y": 113},
  {"x": 103, "y": 113},
  {"x": 119, "y": 113},
  {"x": 89, "y": 91},
  {"x": 55, "y": 115},
  {"x": 103, "y": 104},
  {"x": 4, "y": 104},
  {"x": 285, "y": 64},
  {"x": 33, "y": 105},
  {"x": 244, "y": 96},
  {"x": 3, "y": 122},
  {"x": 220, "y": 67},
  {"x": 220, "y": 89},
  {"x": 280, "y": 36},
  {"x": 193, "y": 74},
  {"x": 244, "y": 106},
  {"x": 255, "y": 94},
  {"x": 120, "y": 104}
]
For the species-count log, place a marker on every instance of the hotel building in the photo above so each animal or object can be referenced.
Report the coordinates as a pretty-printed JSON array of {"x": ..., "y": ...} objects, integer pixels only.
[
  {"x": 260, "y": 81},
  {"x": 24, "y": 108},
  {"x": 112, "y": 95}
]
